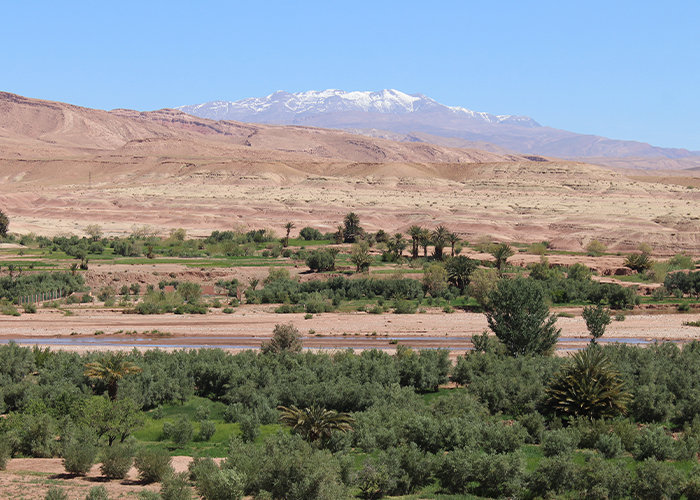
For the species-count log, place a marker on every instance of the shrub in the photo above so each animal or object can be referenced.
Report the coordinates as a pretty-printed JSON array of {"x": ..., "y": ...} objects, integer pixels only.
[
  {"x": 653, "y": 442},
  {"x": 97, "y": 493},
  {"x": 176, "y": 487},
  {"x": 691, "y": 490},
  {"x": 56, "y": 493},
  {"x": 609, "y": 445},
  {"x": 152, "y": 464},
  {"x": 213, "y": 483},
  {"x": 207, "y": 428},
  {"x": 202, "y": 413},
  {"x": 250, "y": 427},
  {"x": 519, "y": 316},
  {"x": 651, "y": 403},
  {"x": 79, "y": 453},
  {"x": 285, "y": 338},
  {"x": 404, "y": 307},
  {"x": 595, "y": 248},
  {"x": 117, "y": 460},
  {"x": 310, "y": 234},
  {"x": 534, "y": 425},
  {"x": 555, "y": 474},
  {"x": 321, "y": 260},
  {"x": 465, "y": 471},
  {"x": 559, "y": 442},
  {"x": 5, "y": 452},
  {"x": 30, "y": 308},
  {"x": 604, "y": 479},
  {"x": 656, "y": 480},
  {"x": 182, "y": 432}
]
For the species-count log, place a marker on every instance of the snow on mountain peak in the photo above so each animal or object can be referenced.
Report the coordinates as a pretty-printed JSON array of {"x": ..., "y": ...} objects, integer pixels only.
[{"x": 319, "y": 102}]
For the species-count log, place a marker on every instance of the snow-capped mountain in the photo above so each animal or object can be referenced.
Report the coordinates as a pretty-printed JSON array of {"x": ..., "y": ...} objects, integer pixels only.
[
  {"x": 416, "y": 117},
  {"x": 296, "y": 107}
]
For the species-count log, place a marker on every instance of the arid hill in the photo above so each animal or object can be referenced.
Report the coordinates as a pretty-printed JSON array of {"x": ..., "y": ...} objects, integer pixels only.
[{"x": 64, "y": 166}]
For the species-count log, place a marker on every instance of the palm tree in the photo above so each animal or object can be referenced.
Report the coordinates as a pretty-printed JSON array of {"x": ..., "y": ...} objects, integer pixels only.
[
  {"x": 288, "y": 226},
  {"x": 440, "y": 237},
  {"x": 453, "y": 239},
  {"x": 588, "y": 386},
  {"x": 111, "y": 370},
  {"x": 414, "y": 232},
  {"x": 501, "y": 252},
  {"x": 352, "y": 227},
  {"x": 315, "y": 423},
  {"x": 424, "y": 240},
  {"x": 396, "y": 245}
]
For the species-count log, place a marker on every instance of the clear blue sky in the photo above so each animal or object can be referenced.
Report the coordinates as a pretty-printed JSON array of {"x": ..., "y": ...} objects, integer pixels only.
[{"x": 622, "y": 69}]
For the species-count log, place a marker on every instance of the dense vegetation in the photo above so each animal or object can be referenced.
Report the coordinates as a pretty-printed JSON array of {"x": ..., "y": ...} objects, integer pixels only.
[{"x": 500, "y": 433}]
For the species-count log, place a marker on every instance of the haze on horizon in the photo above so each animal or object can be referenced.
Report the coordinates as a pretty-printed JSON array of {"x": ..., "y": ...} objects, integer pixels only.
[{"x": 630, "y": 70}]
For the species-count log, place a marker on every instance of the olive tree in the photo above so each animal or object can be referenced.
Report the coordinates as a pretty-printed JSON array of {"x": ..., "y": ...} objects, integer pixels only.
[{"x": 519, "y": 316}]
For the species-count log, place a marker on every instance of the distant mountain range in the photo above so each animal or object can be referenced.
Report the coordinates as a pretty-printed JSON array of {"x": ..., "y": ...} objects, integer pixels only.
[{"x": 416, "y": 117}]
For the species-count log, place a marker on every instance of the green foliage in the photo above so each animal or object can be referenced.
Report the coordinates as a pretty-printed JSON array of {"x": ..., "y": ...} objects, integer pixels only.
[
  {"x": 4, "y": 224},
  {"x": 214, "y": 483},
  {"x": 656, "y": 480},
  {"x": 554, "y": 475},
  {"x": 117, "y": 460},
  {"x": 435, "y": 280},
  {"x": 639, "y": 262},
  {"x": 351, "y": 228},
  {"x": 153, "y": 464},
  {"x": 597, "y": 318},
  {"x": 97, "y": 493},
  {"x": 559, "y": 442},
  {"x": 609, "y": 445},
  {"x": 285, "y": 338},
  {"x": 207, "y": 428},
  {"x": 501, "y": 252},
  {"x": 249, "y": 424},
  {"x": 321, "y": 260},
  {"x": 519, "y": 316},
  {"x": 653, "y": 442},
  {"x": 315, "y": 423},
  {"x": 588, "y": 386},
  {"x": 79, "y": 452},
  {"x": 466, "y": 471},
  {"x": 56, "y": 493},
  {"x": 176, "y": 487},
  {"x": 595, "y": 248},
  {"x": 5, "y": 452},
  {"x": 24, "y": 285},
  {"x": 310, "y": 234}
]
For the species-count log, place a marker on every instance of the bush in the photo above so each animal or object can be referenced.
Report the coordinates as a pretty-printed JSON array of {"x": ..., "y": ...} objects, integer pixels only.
[
  {"x": 321, "y": 260},
  {"x": 5, "y": 452},
  {"x": 152, "y": 464},
  {"x": 604, "y": 479},
  {"x": 56, "y": 493},
  {"x": 213, "y": 483},
  {"x": 597, "y": 318},
  {"x": 30, "y": 308},
  {"x": 559, "y": 442},
  {"x": 97, "y": 493},
  {"x": 182, "y": 432},
  {"x": 207, "y": 428},
  {"x": 250, "y": 427},
  {"x": 534, "y": 425},
  {"x": 79, "y": 454},
  {"x": 202, "y": 413},
  {"x": 117, "y": 460},
  {"x": 656, "y": 480},
  {"x": 595, "y": 248},
  {"x": 404, "y": 307},
  {"x": 609, "y": 445},
  {"x": 653, "y": 442},
  {"x": 310, "y": 234},
  {"x": 465, "y": 471},
  {"x": 691, "y": 490},
  {"x": 556, "y": 474},
  {"x": 176, "y": 487},
  {"x": 285, "y": 338},
  {"x": 519, "y": 316}
]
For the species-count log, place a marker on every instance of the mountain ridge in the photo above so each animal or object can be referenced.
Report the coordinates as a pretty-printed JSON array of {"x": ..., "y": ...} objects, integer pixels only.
[{"x": 394, "y": 111}]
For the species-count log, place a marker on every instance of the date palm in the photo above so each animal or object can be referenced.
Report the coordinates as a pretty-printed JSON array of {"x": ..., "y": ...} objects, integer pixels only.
[
  {"x": 453, "y": 239},
  {"x": 424, "y": 240},
  {"x": 288, "y": 226},
  {"x": 415, "y": 232},
  {"x": 111, "y": 370},
  {"x": 588, "y": 386},
  {"x": 440, "y": 238},
  {"x": 315, "y": 423}
]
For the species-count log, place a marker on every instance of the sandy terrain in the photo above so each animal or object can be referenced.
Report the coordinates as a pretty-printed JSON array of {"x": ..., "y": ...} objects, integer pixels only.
[
  {"x": 63, "y": 167},
  {"x": 30, "y": 478}
]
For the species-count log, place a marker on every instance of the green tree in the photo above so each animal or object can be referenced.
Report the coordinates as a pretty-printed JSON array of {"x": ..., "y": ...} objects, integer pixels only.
[
  {"x": 4, "y": 224},
  {"x": 588, "y": 386},
  {"x": 415, "y": 233},
  {"x": 360, "y": 256},
  {"x": 435, "y": 279},
  {"x": 190, "y": 291},
  {"x": 396, "y": 245},
  {"x": 596, "y": 248},
  {"x": 111, "y": 370},
  {"x": 315, "y": 423},
  {"x": 459, "y": 269},
  {"x": 288, "y": 227},
  {"x": 501, "y": 252},
  {"x": 597, "y": 318},
  {"x": 113, "y": 420},
  {"x": 285, "y": 338},
  {"x": 440, "y": 238},
  {"x": 519, "y": 316},
  {"x": 453, "y": 238},
  {"x": 425, "y": 240},
  {"x": 351, "y": 228}
]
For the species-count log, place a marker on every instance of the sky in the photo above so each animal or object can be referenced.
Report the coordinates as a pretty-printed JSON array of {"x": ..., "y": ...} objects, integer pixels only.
[{"x": 620, "y": 69}]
